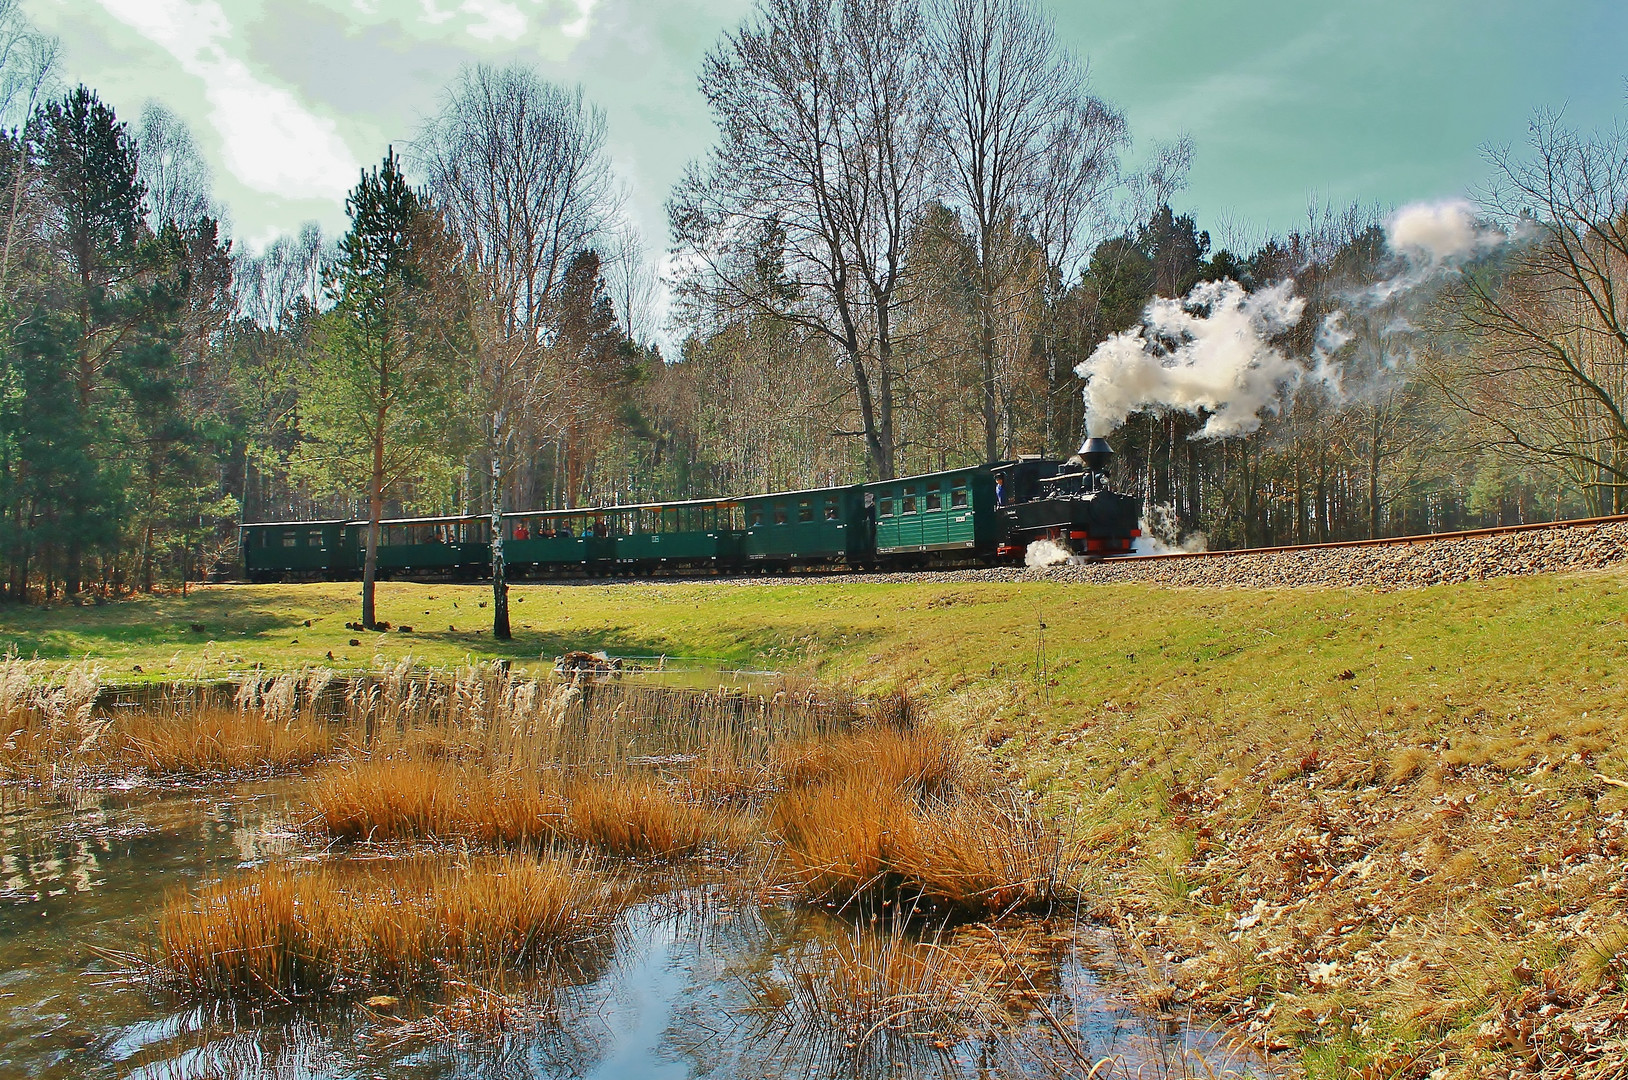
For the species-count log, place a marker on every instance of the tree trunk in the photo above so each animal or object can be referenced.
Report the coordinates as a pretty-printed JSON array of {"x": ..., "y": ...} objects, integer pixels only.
[
  {"x": 986, "y": 353},
  {"x": 1374, "y": 443},
  {"x": 500, "y": 584},
  {"x": 375, "y": 512}
]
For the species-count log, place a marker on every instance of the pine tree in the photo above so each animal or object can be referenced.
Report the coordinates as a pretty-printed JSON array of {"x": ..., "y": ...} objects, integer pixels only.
[{"x": 382, "y": 396}]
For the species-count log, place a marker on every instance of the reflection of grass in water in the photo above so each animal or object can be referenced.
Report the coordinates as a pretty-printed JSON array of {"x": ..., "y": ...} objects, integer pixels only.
[
  {"x": 876, "y": 994},
  {"x": 285, "y": 933}
]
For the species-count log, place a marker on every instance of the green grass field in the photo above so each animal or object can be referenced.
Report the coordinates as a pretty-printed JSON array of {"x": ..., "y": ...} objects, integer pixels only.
[
  {"x": 1515, "y": 645},
  {"x": 1429, "y": 787}
]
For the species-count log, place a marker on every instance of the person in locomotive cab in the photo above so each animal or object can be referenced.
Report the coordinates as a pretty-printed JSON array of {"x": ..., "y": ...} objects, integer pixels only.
[{"x": 1000, "y": 491}]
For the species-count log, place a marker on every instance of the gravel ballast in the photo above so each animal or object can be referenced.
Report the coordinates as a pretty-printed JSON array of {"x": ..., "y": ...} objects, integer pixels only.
[{"x": 1382, "y": 566}]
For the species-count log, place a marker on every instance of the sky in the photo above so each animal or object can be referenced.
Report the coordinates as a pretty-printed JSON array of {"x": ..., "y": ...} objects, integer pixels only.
[{"x": 1288, "y": 102}]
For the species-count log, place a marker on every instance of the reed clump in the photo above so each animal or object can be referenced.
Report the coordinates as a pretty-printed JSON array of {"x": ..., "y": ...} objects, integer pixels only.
[
  {"x": 60, "y": 726},
  {"x": 635, "y": 815},
  {"x": 619, "y": 813},
  {"x": 874, "y": 812},
  {"x": 380, "y": 799},
  {"x": 903, "y": 815},
  {"x": 281, "y": 932}
]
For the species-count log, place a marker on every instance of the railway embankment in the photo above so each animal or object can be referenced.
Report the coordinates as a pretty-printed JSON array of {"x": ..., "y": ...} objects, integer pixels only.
[
  {"x": 1381, "y": 827},
  {"x": 1412, "y": 564}
]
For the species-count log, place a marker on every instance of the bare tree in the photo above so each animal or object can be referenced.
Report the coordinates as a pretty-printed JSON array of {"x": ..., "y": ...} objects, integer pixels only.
[
  {"x": 1025, "y": 151},
  {"x": 180, "y": 185},
  {"x": 1548, "y": 373},
  {"x": 269, "y": 287},
  {"x": 28, "y": 64},
  {"x": 824, "y": 121},
  {"x": 634, "y": 287},
  {"x": 518, "y": 168}
]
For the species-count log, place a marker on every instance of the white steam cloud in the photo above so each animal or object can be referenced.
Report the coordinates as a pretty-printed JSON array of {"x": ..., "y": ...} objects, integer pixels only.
[
  {"x": 1212, "y": 352},
  {"x": 1439, "y": 233},
  {"x": 1046, "y": 553}
]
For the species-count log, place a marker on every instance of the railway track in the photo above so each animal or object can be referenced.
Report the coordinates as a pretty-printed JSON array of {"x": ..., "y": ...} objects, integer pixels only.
[{"x": 1384, "y": 541}]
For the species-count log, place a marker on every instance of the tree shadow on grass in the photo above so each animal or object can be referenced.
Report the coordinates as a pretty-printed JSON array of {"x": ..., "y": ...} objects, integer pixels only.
[{"x": 65, "y": 633}]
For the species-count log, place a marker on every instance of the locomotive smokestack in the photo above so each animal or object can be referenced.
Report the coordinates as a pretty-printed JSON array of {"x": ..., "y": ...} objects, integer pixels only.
[{"x": 1097, "y": 454}]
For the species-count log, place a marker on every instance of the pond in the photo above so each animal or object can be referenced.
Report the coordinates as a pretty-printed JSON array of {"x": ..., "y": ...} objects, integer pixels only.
[{"x": 699, "y": 978}]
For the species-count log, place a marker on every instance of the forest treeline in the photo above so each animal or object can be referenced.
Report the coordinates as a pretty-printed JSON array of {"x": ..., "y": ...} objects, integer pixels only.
[{"x": 915, "y": 224}]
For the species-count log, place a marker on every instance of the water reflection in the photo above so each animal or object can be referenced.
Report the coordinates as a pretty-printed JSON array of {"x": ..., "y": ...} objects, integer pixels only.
[{"x": 694, "y": 983}]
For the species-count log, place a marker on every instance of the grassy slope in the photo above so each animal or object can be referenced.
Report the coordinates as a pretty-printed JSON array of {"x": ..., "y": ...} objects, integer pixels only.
[{"x": 1234, "y": 752}]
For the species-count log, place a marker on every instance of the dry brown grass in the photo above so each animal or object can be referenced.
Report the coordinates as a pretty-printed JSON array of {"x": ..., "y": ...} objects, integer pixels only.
[
  {"x": 633, "y": 814},
  {"x": 377, "y": 799},
  {"x": 276, "y": 931},
  {"x": 620, "y": 813},
  {"x": 922, "y": 760},
  {"x": 903, "y": 815},
  {"x": 57, "y": 729},
  {"x": 874, "y": 813}
]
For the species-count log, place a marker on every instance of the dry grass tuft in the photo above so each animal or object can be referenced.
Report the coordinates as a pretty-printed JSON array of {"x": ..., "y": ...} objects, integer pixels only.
[
  {"x": 278, "y": 932},
  {"x": 632, "y": 814},
  {"x": 923, "y": 760},
  {"x": 838, "y": 837},
  {"x": 890, "y": 814},
  {"x": 377, "y": 799},
  {"x": 57, "y": 728}
]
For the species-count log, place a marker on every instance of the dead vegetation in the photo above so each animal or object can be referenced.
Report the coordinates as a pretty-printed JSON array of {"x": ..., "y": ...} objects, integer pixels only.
[
  {"x": 1386, "y": 895},
  {"x": 870, "y": 813},
  {"x": 58, "y": 729},
  {"x": 290, "y": 932}
]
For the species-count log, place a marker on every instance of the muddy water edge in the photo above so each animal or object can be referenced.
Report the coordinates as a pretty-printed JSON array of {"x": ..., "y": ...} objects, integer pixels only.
[{"x": 710, "y": 966}]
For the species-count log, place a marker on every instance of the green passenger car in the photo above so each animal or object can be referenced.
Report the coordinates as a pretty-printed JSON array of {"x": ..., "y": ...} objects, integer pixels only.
[
  {"x": 443, "y": 546},
  {"x": 552, "y": 541},
  {"x": 700, "y": 532},
  {"x": 278, "y": 550},
  {"x": 951, "y": 511},
  {"x": 819, "y": 525}
]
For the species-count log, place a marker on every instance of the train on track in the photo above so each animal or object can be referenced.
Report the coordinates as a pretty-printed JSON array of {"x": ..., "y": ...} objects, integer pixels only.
[{"x": 979, "y": 515}]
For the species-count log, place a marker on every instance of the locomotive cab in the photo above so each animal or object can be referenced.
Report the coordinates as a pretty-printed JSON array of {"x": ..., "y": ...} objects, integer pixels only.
[{"x": 1069, "y": 503}]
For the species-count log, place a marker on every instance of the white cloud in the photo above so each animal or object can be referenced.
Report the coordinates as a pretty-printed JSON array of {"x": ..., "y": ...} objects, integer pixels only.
[
  {"x": 271, "y": 142},
  {"x": 500, "y": 20},
  {"x": 578, "y": 27}
]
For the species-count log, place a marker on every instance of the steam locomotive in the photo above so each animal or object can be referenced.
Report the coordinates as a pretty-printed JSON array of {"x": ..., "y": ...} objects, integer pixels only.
[{"x": 979, "y": 515}]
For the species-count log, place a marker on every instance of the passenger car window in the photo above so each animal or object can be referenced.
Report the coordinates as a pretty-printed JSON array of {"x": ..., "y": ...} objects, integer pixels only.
[
  {"x": 805, "y": 510},
  {"x": 935, "y": 499},
  {"x": 958, "y": 493},
  {"x": 779, "y": 513},
  {"x": 884, "y": 508},
  {"x": 909, "y": 500}
]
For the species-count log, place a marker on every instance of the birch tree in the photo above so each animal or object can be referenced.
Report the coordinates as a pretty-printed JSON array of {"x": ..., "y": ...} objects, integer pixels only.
[{"x": 518, "y": 168}]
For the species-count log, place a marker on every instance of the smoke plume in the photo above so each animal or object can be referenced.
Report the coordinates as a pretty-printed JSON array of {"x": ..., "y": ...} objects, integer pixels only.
[
  {"x": 1212, "y": 352},
  {"x": 1209, "y": 351},
  {"x": 1440, "y": 233}
]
